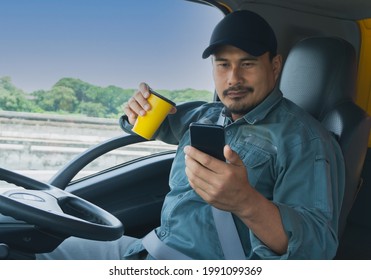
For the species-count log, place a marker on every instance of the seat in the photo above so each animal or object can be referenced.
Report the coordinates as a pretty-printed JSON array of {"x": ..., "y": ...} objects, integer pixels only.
[{"x": 319, "y": 75}]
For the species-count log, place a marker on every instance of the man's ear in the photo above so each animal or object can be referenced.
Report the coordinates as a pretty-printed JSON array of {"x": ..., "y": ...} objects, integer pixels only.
[{"x": 277, "y": 66}]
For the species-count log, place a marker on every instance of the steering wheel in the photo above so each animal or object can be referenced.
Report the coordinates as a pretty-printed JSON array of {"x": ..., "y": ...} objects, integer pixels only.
[{"x": 55, "y": 210}]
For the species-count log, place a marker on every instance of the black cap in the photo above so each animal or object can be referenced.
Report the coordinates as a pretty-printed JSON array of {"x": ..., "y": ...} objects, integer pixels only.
[{"x": 245, "y": 30}]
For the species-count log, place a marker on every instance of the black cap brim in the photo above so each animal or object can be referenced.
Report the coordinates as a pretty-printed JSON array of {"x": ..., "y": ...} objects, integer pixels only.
[{"x": 250, "y": 47}]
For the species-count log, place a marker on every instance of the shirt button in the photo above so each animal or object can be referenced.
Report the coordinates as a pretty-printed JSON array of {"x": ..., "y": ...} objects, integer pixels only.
[
  {"x": 180, "y": 196},
  {"x": 163, "y": 233},
  {"x": 229, "y": 133}
]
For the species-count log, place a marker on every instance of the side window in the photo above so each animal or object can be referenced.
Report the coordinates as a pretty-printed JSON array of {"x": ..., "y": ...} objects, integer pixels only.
[{"x": 67, "y": 67}]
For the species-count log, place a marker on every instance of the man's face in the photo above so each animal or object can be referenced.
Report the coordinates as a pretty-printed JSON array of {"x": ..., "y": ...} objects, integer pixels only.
[{"x": 242, "y": 81}]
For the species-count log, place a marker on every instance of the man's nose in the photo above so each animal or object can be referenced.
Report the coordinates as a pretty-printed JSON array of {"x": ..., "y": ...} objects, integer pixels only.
[{"x": 235, "y": 76}]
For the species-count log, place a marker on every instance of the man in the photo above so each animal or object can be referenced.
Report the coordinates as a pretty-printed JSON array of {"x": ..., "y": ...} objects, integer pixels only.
[{"x": 283, "y": 176}]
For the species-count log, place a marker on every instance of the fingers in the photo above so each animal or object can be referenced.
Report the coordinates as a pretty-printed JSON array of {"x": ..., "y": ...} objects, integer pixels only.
[
  {"x": 173, "y": 110},
  {"x": 196, "y": 174},
  {"x": 144, "y": 88},
  {"x": 202, "y": 169},
  {"x": 138, "y": 104},
  {"x": 232, "y": 157},
  {"x": 219, "y": 183},
  {"x": 195, "y": 178},
  {"x": 204, "y": 159}
]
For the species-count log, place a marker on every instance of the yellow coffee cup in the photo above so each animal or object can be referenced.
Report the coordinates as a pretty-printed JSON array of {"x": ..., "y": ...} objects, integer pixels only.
[{"x": 147, "y": 125}]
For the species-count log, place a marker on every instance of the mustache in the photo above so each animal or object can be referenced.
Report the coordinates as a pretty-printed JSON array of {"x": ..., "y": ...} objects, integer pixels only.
[{"x": 238, "y": 88}]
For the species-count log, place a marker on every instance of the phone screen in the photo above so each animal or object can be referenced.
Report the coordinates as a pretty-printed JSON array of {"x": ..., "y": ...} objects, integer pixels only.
[{"x": 209, "y": 139}]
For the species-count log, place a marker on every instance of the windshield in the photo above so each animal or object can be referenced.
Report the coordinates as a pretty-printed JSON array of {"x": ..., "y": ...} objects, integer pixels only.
[{"x": 67, "y": 67}]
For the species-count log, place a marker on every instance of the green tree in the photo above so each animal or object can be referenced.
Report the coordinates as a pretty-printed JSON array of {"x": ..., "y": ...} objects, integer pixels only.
[
  {"x": 76, "y": 96},
  {"x": 78, "y": 86},
  {"x": 59, "y": 98},
  {"x": 188, "y": 94},
  {"x": 92, "y": 109},
  {"x": 12, "y": 98},
  {"x": 110, "y": 97}
]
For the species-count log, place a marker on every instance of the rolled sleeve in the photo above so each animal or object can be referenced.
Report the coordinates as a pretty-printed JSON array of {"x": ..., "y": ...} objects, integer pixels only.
[
  {"x": 291, "y": 222},
  {"x": 125, "y": 125}
]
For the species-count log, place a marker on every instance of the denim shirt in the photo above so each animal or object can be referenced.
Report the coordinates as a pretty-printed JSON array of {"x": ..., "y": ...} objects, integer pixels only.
[{"x": 290, "y": 159}]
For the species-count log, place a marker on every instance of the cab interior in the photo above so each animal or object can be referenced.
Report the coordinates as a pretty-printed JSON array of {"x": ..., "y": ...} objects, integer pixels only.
[{"x": 133, "y": 192}]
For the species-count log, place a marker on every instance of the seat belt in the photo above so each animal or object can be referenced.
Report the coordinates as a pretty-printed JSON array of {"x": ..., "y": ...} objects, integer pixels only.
[
  {"x": 228, "y": 235},
  {"x": 159, "y": 250},
  {"x": 225, "y": 227}
]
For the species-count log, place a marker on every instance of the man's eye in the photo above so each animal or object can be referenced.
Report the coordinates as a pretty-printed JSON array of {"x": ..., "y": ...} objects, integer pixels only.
[{"x": 247, "y": 64}]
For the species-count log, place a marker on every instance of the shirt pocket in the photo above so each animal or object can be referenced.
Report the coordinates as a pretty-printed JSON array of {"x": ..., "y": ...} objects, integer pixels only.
[{"x": 256, "y": 159}]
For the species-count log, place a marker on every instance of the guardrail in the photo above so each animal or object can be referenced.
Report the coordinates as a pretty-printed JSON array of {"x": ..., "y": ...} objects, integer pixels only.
[{"x": 56, "y": 118}]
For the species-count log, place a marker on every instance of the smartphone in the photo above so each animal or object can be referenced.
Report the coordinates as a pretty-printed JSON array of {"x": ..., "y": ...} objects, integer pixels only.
[{"x": 208, "y": 138}]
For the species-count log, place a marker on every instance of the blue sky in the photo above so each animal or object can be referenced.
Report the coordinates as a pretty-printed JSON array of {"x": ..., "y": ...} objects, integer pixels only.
[{"x": 106, "y": 42}]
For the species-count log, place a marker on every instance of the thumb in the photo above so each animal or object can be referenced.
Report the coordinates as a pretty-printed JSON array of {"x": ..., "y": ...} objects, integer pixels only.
[
  {"x": 232, "y": 157},
  {"x": 173, "y": 110}
]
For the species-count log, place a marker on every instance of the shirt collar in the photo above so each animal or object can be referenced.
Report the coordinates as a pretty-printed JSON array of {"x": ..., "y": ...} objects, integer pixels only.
[{"x": 262, "y": 110}]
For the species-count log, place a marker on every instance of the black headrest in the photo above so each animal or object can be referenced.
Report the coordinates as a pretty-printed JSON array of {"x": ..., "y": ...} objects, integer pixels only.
[{"x": 319, "y": 73}]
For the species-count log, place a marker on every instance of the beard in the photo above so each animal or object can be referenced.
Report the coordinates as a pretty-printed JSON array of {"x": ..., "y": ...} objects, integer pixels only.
[{"x": 237, "y": 107}]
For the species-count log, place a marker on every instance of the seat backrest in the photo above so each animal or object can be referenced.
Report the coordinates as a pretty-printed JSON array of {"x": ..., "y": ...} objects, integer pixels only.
[{"x": 319, "y": 75}]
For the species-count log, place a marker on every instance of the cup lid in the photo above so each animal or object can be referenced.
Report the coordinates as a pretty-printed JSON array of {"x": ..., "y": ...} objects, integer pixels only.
[{"x": 162, "y": 97}]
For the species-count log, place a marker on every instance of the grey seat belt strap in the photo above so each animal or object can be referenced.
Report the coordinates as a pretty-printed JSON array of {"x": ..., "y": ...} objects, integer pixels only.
[
  {"x": 228, "y": 235},
  {"x": 225, "y": 226},
  {"x": 159, "y": 250}
]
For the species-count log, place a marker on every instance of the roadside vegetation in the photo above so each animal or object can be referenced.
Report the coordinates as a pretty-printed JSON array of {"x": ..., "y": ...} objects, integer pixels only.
[{"x": 74, "y": 96}]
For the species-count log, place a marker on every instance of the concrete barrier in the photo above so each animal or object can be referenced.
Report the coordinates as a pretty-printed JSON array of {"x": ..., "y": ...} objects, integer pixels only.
[{"x": 38, "y": 145}]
